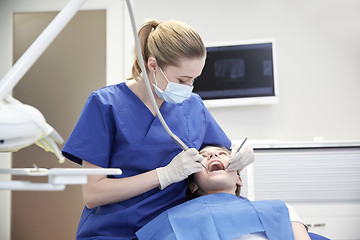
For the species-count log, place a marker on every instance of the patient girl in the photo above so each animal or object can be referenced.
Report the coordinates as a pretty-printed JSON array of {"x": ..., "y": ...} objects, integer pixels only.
[{"x": 217, "y": 211}]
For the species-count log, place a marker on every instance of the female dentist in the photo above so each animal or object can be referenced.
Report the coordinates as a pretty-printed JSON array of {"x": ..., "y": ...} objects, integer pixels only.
[{"x": 118, "y": 128}]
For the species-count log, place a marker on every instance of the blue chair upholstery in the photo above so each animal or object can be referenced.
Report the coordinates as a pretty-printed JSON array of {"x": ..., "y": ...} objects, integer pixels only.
[{"x": 315, "y": 236}]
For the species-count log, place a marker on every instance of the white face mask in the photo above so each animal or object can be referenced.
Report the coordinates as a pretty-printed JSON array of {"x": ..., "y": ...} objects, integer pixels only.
[{"x": 174, "y": 92}]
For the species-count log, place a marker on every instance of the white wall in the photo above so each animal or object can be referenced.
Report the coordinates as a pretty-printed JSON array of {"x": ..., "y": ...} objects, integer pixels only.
[{"x": 318, "y": 56}]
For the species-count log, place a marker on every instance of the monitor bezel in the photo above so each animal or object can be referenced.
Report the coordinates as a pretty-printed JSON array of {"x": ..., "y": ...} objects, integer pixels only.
[{"x": 257, "y": 100}]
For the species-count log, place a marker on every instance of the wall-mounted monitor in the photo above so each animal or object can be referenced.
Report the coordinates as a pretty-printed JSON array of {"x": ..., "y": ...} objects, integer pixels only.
[{"x": 238, "y": 73}]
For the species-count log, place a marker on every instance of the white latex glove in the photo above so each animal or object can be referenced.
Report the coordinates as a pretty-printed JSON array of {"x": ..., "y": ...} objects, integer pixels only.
[
  {"x": 49, "y": 142},
  {"x": 180, "y": 167},
  {"x": 242, "y": 158}
]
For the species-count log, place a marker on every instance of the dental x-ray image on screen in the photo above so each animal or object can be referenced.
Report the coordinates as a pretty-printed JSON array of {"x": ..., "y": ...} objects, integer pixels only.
[{"x": 238, "y": 73}]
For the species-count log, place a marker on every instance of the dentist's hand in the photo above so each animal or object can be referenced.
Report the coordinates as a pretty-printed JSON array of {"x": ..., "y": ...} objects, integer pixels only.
[
  {"x": 182, "y": 165},
  {"x": 242, "y": 158}
]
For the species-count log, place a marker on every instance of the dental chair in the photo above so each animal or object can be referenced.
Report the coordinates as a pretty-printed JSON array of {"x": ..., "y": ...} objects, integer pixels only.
[
  {"x": 315, "y": 236},
  {"x": 251, "y": 195}
]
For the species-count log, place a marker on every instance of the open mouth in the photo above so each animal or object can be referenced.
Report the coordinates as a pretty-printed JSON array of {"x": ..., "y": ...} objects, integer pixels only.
[{"x": 216, "y": 166}]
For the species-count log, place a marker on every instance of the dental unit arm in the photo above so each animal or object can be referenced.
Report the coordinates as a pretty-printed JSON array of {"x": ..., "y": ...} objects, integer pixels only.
[{"x": 22, "y": 125}]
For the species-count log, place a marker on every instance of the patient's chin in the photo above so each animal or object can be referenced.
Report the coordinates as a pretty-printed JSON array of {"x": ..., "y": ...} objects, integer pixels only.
[
  {"x": 219, "y": 187},
  {"x": 220, "y": 179}
]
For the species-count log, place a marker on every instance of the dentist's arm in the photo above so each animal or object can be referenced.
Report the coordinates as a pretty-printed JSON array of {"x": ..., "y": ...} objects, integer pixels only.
[{"x": 101, "y": 190}]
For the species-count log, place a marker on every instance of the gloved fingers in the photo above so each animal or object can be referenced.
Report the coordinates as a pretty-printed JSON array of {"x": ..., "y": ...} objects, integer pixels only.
[
  {"x": 180, "y": 167},
  {"x": 198, "y": 158},
  {"x": 190, "y": 155},
  {"x": 196, "y": 166},
  {"x": 242, "y": 158},
  {"x": 191, "y": 152},
  {"x": 234, "y": 148},
  {"x": 247, "y": 149},
  {"x": 194, "y": 154},
  {"x": 238, "y": 161}
]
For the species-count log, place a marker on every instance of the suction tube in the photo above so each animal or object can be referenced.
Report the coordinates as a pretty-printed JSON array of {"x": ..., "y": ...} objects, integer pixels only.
[{"x": 147, "y": 83}]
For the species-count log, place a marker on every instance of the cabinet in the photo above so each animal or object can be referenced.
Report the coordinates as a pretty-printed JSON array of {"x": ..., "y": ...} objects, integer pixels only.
[{"x": 321, "y": 181}]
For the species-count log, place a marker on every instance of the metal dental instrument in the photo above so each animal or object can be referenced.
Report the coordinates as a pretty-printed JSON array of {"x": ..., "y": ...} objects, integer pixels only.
[
  {"x": 207, "y": 170},
  {"x": 237, "y": 151},
  {"x": 147, "y": 83}
]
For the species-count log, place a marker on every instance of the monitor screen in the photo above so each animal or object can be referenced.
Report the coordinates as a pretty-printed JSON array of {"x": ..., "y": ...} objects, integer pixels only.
[{"x": 238, "y": 73}]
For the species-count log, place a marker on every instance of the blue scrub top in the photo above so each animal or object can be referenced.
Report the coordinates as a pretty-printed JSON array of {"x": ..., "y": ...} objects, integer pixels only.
[{"x": 116, "y": 130}]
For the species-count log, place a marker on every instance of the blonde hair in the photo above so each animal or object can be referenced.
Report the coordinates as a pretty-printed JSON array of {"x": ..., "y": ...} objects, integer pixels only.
[{"x": 167, "y": 42}]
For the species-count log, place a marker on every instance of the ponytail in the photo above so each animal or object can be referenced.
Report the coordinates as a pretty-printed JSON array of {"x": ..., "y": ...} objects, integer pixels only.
[
  {"x": 167, "y": 42},
  {"x": 143, "y": 34}
]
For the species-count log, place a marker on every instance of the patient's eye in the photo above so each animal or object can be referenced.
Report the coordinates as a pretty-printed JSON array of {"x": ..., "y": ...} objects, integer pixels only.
[{"x": 224, "y": 153}]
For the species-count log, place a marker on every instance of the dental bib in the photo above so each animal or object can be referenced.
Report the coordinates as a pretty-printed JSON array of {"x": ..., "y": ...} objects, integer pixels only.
[{"x": 220, "y": 216}]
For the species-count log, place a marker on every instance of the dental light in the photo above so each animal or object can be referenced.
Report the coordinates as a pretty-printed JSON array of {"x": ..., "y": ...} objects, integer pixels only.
[{"x": 22, "y": 125}]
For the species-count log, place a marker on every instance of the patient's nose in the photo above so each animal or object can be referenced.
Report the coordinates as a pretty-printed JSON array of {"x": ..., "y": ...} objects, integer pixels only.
[{"x": 213, "y": 155}]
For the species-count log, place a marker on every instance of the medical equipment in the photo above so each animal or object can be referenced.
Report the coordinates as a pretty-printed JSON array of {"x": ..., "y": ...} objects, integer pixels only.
[
  {"x": 11, "y": 110},
  {"x": 58, "y": 178},
  {"x": 236, "y": 152},
  {"x": 147, "y": 83},
  {"x": 207, "y": 170},
  {"x": 239, "y": 73},
  {"x": 22, "y": 125}
]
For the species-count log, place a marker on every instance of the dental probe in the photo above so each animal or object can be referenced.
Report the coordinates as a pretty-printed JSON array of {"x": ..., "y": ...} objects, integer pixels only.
[
  {"x": 147, "y": 83},
  {"x": 237, "y": 151},
  {"x": 204, "y": 166}
]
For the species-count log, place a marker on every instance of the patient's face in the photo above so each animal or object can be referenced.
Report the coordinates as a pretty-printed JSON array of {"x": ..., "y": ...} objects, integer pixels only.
[{"x": 217, "y": 178}]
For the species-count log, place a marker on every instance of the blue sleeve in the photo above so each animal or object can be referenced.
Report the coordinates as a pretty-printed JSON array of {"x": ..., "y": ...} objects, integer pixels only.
[{"x": 92, "y": 136}]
